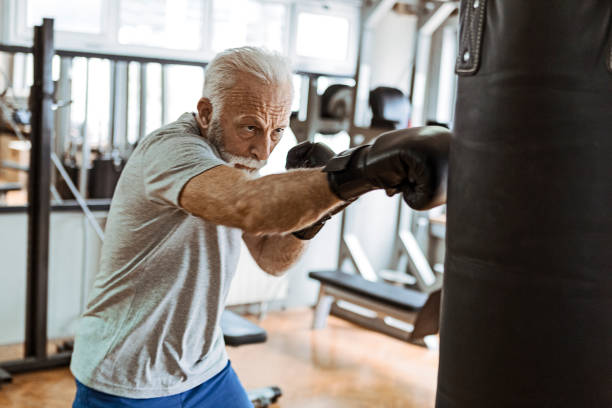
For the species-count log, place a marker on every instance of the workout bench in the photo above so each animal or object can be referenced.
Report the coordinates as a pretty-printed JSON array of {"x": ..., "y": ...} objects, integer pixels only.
[{"x": 418, "y": 313}]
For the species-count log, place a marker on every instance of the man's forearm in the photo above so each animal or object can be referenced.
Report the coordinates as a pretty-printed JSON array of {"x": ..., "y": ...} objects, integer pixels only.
[
  {"x": 272, "y": 204},
  {"x": 286, "y": 202},
  {"x": 274, "y": 253}
]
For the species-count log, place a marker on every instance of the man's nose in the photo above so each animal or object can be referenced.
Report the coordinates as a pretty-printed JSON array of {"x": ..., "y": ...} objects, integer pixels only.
[{"x": 262, "y": 148}]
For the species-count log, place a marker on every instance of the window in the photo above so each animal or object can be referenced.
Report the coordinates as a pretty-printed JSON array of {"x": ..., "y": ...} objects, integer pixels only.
[
  {"x": 326, "y": 37},
  {"x": 70, "y": 15},
  {"x": 184, "y": 89},
  {"x": 248, "y": 22},
  {"x": 320, "y": 36},
  {"x": 323, "y": 37},
  {"x": 161, "y": 23}
]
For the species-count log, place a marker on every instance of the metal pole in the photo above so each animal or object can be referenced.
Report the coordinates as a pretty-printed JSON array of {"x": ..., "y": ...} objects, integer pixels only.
[
  {"x": 113, "y": 104},
  {"x": 142, "y": 120},
  {"x": 164, "y": 94},
  {"x": 38, "y": 193},
  {"x": 84, "y": 169}
]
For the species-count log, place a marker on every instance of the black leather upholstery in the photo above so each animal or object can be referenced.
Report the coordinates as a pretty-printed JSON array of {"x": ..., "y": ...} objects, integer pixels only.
[
  {"x": 527, "y": 298},
  {"x": 383, "y": 293},
  {"x": 390, "y": 108},
  {"x": 238, "y": 331}
]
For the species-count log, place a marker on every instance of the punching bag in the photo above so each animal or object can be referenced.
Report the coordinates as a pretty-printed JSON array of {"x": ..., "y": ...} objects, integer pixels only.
[{"x": 527, "y": 298}]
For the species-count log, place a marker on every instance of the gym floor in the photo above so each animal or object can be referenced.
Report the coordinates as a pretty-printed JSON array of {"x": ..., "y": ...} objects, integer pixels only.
[{"x": 340, "y": 366}]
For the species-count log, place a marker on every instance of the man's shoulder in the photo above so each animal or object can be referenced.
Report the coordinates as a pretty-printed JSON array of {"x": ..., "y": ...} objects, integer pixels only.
[
  {"x": 183, "y": 130},
  {"x": 185, "y": 125}
]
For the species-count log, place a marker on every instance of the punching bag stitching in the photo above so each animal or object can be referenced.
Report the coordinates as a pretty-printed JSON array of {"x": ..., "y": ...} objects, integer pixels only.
[
  {"x": 472, "y": 67},
  {"x": 610, "y": 57}
]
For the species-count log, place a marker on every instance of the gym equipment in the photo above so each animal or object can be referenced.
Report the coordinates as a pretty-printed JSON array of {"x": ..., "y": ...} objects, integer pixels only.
[
  {"x": 390, "y": 108},
  {"x": 336, "y": 103},
  {"x": 408, "y": 307},
  {"x": 238, "y": 331},
  {"x": 36, "y": 357},
  {"x": 327, "y": 114},
  {"x": 527, "y": 284},
  {"x": 104, "y": 175}
]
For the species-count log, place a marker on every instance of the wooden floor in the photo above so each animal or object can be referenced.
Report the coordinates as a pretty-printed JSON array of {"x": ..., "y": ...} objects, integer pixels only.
[{"x": 340, "y": 366}]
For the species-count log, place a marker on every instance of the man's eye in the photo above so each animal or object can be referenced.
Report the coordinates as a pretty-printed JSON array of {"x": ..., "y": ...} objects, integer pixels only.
[
  {"x": 278, "y": 134},
  {"x": 251, "y": 128}
]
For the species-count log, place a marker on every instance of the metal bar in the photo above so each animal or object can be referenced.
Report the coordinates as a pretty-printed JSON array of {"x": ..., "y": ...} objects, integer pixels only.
[
  {"x": 13, "y": 166},
  {"x": 78, "y": 197},
  {"x": 142, "y": 120},
  {"x": 109, "y": 56},
  {"x": 126, "y": 109},
  {"x": 143, "y": 59},
  {"x": 164, "y": 94},
  {"x": 112, "y": 105},
  {"x": 419, "y": 89},
  {"x": 418, "y": 264},
  {"x": 38, "y": 193},
  {"x": 373, "y": 305},
  {"x": 31, "y": 364},
  {"x": 341, "y": 246},
  {"x": 360, "y": 46},
  {"x": 313, "y": 110},
  {"x": 84, "y": 169},
  {"x": 63, "y": 95},
  {"x": 359, "y": 258},
  {"x": 14, "y": 49}
]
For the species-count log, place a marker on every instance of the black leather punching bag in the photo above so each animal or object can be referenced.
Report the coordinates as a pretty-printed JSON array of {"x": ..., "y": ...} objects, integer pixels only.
[{"x": 527, "y": 299}]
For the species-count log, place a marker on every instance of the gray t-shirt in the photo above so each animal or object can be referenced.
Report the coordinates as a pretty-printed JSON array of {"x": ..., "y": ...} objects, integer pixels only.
[{"x": 151, "y": 327}]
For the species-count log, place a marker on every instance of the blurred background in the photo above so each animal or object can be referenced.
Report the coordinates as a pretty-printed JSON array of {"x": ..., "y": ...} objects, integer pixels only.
[{"x": 123, "y": 68}]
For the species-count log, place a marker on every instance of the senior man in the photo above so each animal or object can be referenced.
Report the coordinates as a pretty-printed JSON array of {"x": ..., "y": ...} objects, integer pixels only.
[{"x": 150, "y": 334}]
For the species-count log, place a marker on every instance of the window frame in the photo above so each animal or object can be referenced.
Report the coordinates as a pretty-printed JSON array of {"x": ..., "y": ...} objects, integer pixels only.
[{"x": 15, "y": 32}]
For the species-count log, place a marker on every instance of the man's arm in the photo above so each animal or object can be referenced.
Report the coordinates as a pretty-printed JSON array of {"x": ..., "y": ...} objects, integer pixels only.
[
  {"x": 271, "y": 204},
  {"x": 274, "y": 253}
]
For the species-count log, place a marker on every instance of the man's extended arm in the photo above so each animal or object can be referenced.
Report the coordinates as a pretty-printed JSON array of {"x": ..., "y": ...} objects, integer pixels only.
[{"x": 272, "y": 204}]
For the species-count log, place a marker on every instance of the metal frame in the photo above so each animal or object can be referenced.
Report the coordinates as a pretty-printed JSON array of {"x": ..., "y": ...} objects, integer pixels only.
[
  {"x": 410, "y": 326},
  {"x": 427, "y": 26},
  {"x": 408, "y": 255},
  {"x": 36, "y": 357}
]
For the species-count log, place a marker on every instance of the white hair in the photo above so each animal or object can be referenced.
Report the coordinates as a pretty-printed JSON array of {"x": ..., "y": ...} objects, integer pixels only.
[{"x": 222, "y": 72}]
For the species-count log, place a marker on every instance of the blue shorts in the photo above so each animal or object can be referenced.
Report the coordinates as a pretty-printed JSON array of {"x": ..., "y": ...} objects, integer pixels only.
[{"x": 223, "y": 390}]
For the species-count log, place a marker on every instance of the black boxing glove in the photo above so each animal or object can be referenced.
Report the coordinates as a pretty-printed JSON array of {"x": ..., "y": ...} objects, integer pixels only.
[
  {"x": 412, "y": 161},
  {"x": 308, "y": 155}
]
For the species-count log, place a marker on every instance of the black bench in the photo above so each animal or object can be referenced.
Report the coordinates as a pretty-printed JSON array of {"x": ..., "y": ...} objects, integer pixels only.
[{"x": 416, "y": 314}]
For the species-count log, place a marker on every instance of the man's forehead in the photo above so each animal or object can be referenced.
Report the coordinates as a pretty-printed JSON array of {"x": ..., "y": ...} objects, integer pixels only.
[
  {"x": 250, "y": 85},
  {"x": 272, "y": 100}
]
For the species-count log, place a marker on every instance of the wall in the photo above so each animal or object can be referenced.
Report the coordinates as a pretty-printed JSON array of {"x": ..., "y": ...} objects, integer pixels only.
[
  {"x": 70, "y": 274},
  {"x": 390, "y": 56}
]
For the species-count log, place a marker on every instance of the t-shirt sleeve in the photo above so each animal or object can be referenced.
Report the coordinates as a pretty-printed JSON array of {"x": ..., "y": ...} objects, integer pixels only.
[{"x": 170, "y": 161}]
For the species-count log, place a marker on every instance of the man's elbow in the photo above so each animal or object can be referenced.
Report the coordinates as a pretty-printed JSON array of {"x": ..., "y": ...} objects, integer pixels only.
[{"x": 277, "y": 269}]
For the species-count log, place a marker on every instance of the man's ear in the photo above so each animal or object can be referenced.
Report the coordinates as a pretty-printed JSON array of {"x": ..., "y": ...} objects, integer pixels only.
[{"x": 205, "y": 111}]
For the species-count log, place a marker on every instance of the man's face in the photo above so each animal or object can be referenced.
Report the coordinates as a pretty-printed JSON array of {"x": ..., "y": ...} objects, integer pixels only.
[{"x": 251, "y": 122}]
